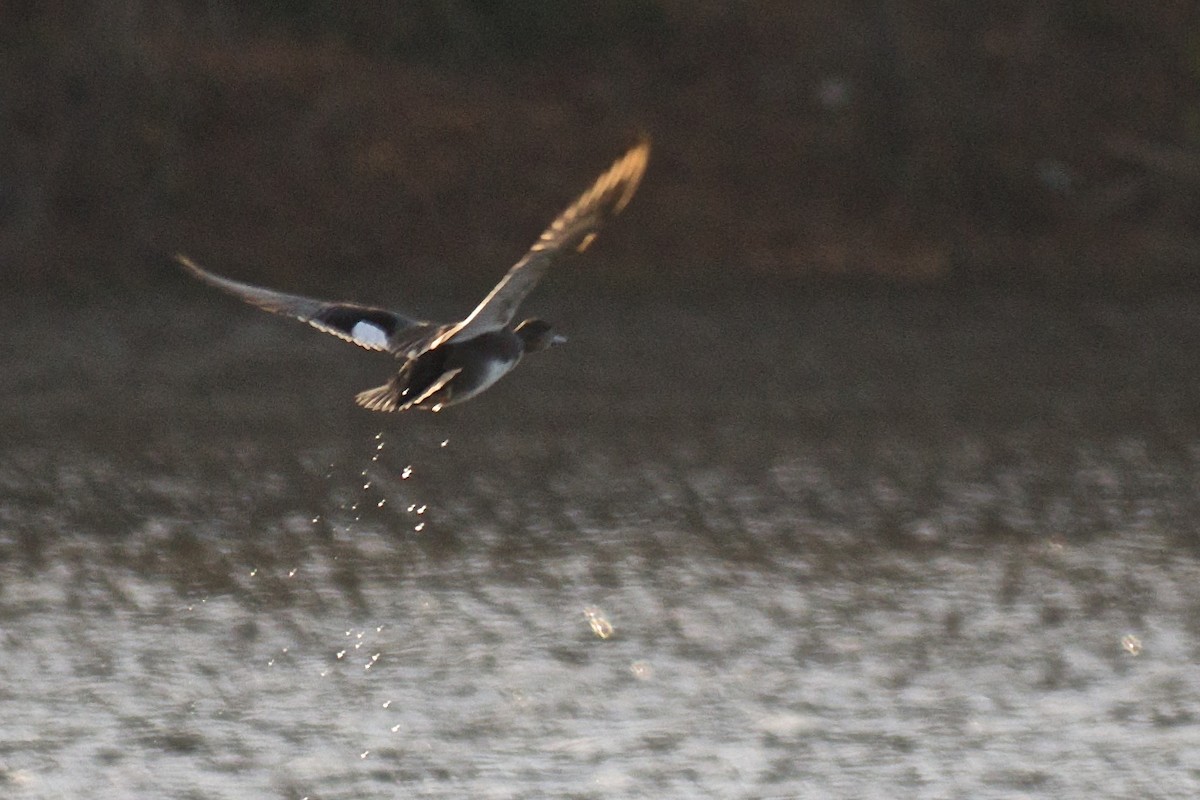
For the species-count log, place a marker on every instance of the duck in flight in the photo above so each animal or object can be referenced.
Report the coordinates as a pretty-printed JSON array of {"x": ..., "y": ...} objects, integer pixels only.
[{"x": 444, "y": 364}]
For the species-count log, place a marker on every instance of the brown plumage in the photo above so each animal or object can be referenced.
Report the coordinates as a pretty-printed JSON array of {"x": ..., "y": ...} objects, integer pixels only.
[{"x": 444, "y": 364}]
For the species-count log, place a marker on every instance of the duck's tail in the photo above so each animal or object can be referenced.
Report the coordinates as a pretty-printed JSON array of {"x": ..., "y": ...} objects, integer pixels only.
[
  {"x": 397, "y": 394},
  {"x": 381, "y": 398}
]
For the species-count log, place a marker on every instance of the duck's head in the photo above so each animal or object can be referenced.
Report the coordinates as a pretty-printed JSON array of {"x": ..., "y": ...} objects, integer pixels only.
[{"x": 537, "y": 335}]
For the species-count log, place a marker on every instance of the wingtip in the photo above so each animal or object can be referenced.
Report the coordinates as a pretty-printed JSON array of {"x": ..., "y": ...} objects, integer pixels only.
[
  {"x": 630, "y": 168},
  {"x": 187, "y": 263},
  {"x": 639, "y": 152}
]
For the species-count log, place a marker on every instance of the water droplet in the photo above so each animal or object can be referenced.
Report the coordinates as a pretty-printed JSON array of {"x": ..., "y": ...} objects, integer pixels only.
[
  {"x": 381, "y": 503},
  {"x": 1132, "y": 644},
  {"x": 641, "y": 670},
  {"x": 600, "y": 626},
  {"x": 341, "y": 653},
  {"x": 407, "y": 473},
  {"x": 421, "y": 510},
  {"x": 420, "y": 526},
  {"x": 445, "y": 442}
]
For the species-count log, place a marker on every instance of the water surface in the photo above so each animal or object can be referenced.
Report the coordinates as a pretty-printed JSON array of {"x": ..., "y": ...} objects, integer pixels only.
[{"x": 793, "y": 544}]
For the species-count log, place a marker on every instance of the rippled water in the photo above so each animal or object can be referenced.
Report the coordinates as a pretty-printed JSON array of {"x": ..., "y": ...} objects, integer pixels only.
[{"x": 795, "y": 544}]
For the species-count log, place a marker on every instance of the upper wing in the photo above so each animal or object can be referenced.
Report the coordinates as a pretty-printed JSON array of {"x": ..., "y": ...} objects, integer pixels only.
[
  {"x": 574, "y": 229},
  {"x": 365, "y": 326}
]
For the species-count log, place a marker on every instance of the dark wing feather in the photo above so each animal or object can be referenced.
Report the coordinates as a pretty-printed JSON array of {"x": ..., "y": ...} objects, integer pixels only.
[
  {"x": 573, "y": 230},
  {"x": 365, "y": 326}
]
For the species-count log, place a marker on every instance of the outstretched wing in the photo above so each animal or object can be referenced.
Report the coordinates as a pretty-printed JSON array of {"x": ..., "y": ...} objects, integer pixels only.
[
  {"x": 365, "y": 326},
  {"x": 573, "y": 230}
]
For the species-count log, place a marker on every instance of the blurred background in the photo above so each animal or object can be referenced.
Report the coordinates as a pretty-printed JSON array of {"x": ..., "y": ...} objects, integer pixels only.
[
  {"x": 1047, "y": 144},
  {"x": 871, "y": 468}
]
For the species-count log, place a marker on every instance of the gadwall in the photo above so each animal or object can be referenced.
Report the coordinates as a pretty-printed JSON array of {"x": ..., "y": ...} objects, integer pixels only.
[{"x": 444, "y": 364}]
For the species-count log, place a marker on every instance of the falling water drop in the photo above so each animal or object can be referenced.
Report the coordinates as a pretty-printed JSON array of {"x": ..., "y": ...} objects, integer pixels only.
[{"x": 600, "y": 626}]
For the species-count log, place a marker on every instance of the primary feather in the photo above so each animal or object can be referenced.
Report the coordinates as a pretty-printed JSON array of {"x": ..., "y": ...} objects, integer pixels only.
[
  {"x": 366, "y": 326},
  {"x": 573, "y": 230}
]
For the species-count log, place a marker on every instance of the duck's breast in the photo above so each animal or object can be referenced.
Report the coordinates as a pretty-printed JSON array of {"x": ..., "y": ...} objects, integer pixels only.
[{"x": 484, "y": 360}]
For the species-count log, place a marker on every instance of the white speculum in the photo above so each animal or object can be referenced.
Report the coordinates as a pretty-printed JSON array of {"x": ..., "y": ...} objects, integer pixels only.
[{"x": 369, "y": 334}]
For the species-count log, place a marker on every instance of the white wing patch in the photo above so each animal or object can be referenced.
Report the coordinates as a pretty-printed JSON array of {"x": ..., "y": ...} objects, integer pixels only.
[{"x": 370, "y": 335}]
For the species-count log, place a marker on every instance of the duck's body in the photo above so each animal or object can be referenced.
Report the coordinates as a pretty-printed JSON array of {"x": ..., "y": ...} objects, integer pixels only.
[
  {"x": 457, "y": 371},
  {"x": 447, "y": 364}
]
